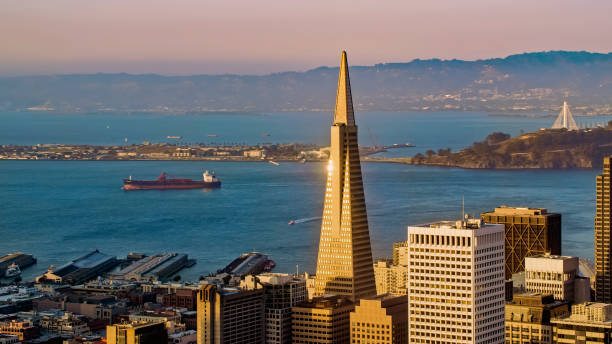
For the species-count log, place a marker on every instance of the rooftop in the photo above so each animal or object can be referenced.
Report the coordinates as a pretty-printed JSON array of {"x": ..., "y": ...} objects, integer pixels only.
[
  {"x": 89, "y": 260},
  {"x": 551, "y": 256},
  {"x": 505, "y": 210},
  {"x": 325, "y": 302},
  {"x": 468, "y": 223}
]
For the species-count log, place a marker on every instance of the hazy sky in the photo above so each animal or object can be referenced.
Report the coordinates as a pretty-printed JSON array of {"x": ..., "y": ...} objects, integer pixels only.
[{"x": 261, "y": 36}]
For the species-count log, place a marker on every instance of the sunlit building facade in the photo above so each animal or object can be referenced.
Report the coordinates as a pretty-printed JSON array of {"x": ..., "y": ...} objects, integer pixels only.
[
  {"x": 529, "y": 232},
  {"x": 456, "y": 289},
  {"x": 603, "y": 237},
  {"x": 344, "y": 263}
]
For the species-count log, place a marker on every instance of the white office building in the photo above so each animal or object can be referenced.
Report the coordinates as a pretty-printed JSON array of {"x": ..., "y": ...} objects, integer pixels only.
[
  {"x": 456, "y": 282},
  {"x": 557, "y": 275}
]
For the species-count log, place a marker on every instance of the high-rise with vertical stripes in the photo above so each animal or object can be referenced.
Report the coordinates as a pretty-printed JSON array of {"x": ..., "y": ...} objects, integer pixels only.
[
  {"x": 603, "y": 254},
  {"x": 344, "y": 264}
]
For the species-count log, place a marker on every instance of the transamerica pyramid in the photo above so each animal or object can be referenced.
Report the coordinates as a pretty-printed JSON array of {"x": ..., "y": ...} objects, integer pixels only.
[{"x": 344, "y": 264}]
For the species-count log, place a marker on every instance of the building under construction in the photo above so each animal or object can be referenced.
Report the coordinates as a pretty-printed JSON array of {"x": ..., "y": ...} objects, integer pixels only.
[{"x": 529, "y": 232}]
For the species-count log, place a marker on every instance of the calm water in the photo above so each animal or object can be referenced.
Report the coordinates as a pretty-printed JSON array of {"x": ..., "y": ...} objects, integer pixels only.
[
  {"x": 60, "y": 210},
  {"x": 428, "y": 130}
]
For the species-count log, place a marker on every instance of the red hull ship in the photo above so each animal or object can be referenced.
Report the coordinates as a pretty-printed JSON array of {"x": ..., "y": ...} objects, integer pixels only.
[{"x": 209, "y": 181}]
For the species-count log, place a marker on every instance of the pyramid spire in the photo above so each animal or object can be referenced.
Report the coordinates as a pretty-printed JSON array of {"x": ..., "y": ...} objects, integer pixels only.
[
  {"x": 344, "y": 264},
  {"x": 344, "y": 100}
]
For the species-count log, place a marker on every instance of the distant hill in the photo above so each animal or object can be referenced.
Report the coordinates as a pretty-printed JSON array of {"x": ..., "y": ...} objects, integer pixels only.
[{"x": 531, "y": 82}]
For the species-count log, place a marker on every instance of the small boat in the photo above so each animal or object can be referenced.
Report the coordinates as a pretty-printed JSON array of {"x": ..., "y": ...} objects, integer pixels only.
[
  {"x": 265, "y": 134},
  {"x": 212, "y": 135},
  {"x": 174, "y": 137},
  {"x": 273, "y": 162},
  {"x": 303, "y": 161},
  {"x": 13, "y": 270},
  {"x": 291, "y": 223}
]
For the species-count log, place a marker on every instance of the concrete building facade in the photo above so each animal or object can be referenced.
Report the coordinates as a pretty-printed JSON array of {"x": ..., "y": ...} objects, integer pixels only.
[
  {"x": 323, "y": 320},
  {"x": 528, "y": 318},
  {"x": 528, "y": 232},
  {"x": 230, "y": 315},
  {"x": 456, "y": 282},
  {"x": 390, "y": 278},
  {"x": 556, "y": 275},
  {"x": 281, "y": 293},
  {"x": 382, "y": 319},
  {"x": 136, "y": 333},
  {"x": 588, "y": 323}
]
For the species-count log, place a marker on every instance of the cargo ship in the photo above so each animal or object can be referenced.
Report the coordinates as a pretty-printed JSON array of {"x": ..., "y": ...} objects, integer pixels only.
[{"x": 209, "y": 181}]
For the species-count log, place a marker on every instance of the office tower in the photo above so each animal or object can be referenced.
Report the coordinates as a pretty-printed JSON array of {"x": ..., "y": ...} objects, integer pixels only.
[
  {"x": 528, "y": 318},
  {"x": 324, "y": 320},
  {"x": 588, "y": 323},
  {"x": 137, "y": 332},
  {"x": 230, "y": 315},
  {"x": 281, "y": 293},
  {"x": 390, "y": 278},
  {"x": 558, "y": 276},
  {"x": 381, "y": 319},
  {"x": 456, "y": 282},
  {"x": 344, "y": 264},
  {"x": 529, "y": 232},
  {"x": 603, "y": 254}
]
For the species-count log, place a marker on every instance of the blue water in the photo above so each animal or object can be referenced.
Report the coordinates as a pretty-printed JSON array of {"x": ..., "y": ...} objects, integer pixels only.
[
  {"x": 427, "y": 130},
  {"x": 60, "y": 210}
]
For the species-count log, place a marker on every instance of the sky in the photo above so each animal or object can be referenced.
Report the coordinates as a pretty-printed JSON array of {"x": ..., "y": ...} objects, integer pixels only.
[{"x": 182, "y": 37}]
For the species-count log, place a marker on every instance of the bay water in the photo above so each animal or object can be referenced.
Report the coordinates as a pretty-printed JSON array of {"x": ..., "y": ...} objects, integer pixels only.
[{"x": 59, "y": 210}]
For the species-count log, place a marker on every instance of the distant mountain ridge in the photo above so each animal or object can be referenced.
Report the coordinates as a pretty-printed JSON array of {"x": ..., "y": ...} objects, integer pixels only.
[{"x": 536, "y": 82}]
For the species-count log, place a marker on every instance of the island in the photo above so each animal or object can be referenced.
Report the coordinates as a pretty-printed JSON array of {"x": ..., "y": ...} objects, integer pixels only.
[{"x": 545, "y": 149}]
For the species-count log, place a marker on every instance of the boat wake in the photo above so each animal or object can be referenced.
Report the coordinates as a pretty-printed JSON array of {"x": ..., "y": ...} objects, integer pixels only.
[{"x": 308, "y": 219}]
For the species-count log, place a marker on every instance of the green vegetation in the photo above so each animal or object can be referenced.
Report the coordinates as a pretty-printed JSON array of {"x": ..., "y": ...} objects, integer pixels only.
[{"x": 553, "y": 149}]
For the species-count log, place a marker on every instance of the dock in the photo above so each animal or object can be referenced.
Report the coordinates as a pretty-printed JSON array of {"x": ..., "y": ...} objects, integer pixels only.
[
  {"x": 248, "y": 264},
  {"x": 23, "y": 260},
  {"x": 153, "y": 268}
]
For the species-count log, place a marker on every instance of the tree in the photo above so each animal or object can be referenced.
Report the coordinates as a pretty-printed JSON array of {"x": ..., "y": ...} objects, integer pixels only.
[
  {"x": 482, "y": 148},
  {"x": 444, "y": 152},
  {"x": 497, "y": 137},
  {"x": 177, "y": 278},
  {"x": 430, "y": 153}
]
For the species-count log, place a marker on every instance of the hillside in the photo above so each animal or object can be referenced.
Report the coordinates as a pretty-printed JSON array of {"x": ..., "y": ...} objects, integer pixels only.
[
  {"x": 551, "y": 149},
  {"x": 525, "y": 82}
]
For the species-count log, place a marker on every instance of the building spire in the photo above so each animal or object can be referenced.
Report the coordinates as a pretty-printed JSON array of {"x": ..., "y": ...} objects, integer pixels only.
[
  {"x": 344, "y": 100},
  {"x": 344, "y": 264}
]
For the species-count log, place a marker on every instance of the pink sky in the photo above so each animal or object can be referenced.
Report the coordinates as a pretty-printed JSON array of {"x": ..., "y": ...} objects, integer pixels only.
[{"x": 255, "y": 37}]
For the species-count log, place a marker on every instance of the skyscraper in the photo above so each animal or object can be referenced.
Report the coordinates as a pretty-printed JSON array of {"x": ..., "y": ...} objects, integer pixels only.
[
  {"x": 529, "y": 232},
  {"x": 456, "y": 288},
  {"x": 344, "y": 264},
  {"x": 603, "y": 257},
  {"x": 230, "y": 315},
  {"x": 281, "y": 292}
]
